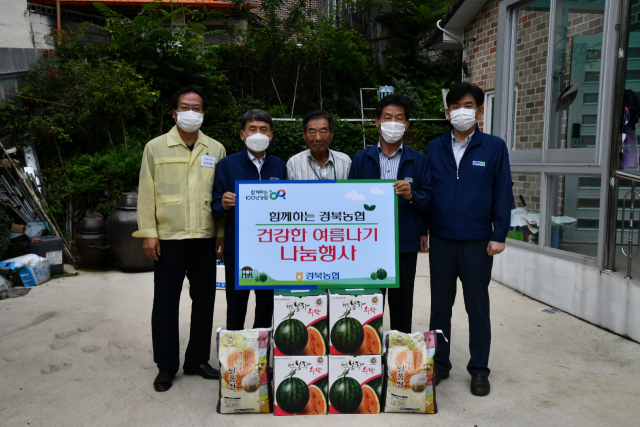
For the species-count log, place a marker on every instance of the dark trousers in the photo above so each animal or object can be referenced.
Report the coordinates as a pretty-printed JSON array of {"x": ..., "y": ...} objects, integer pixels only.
[
  {"x": 195, "y": 258},
  {"x": 468, "y": 260},
  {"x": 401, "y": 299},
  {"x": 238, "y": 299}
]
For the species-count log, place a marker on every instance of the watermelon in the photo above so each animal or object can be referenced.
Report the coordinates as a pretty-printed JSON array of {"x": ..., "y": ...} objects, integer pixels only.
[
  {"x": 370, "y": 403},
  {"x": 291, "y": 336},
  {"x": 346, "y": 394},
  {"x": 292, "y": 394},
  {"x": 376, "y": 385},
  {"x": 323, "y": 327},
  {"x": 374, "y": 275},
  {"x": 371, "y": 343},
  {"x": 377, "y": 325},
  {"x": 317, "y": 402},
  {"x": 315, "y": 343},
  {"x": 347, "y": 334},
  {"x": 381, "y": 273},
  {"x": 323, "y": 384}
]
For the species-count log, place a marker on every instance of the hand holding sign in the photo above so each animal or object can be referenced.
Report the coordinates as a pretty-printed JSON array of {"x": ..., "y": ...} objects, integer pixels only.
[
  {"x": 403, "y": 188},
  {"x": 228, "y": 200}
]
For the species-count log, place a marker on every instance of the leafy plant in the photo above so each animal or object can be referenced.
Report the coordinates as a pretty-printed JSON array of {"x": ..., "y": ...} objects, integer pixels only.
[{"x": 5, "y": 225}]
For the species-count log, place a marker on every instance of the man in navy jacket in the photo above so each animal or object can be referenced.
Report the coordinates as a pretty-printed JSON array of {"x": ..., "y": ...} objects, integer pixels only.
[
  {"x": 468, "y": 223},
  {"x": 252, "y": 163},
  {"x": 391, "y": 159}
]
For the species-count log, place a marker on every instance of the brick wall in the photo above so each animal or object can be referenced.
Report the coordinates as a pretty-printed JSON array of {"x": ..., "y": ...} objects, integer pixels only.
[
  {"x": 528, "y": 186},
  {"x": 530, "y": 75},
  {"x": 320, "y": 6},
  {"x": 482, "y": 53},
  {"x": 482, "y": 67}
]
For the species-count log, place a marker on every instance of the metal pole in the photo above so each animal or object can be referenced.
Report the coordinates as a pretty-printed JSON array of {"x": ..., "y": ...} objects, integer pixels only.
[
  {"x": 41, "y": 210},
  {"x": 364, "y": 138},
  {"x": 59, "y": 20},
  {"x": 616, "y": 143},
  {"x": 631, "y": 216}
]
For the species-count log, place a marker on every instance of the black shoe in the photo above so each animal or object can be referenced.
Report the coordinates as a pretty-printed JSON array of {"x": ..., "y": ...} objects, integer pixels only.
[
  {"x": 205, "y": 370},
  {"x": 480, "y": 385},
  {"x": 163, "y": 381},
  {"x": 441, "y": 375}
]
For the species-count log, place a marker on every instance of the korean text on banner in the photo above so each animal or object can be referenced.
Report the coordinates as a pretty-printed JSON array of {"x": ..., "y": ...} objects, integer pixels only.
[{"x": 316, "y": 234}]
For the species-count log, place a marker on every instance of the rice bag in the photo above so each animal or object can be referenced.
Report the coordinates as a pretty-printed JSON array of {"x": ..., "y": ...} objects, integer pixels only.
[
  {"x": 245, "y": 375},
  {"x": 410, "y": 372}
]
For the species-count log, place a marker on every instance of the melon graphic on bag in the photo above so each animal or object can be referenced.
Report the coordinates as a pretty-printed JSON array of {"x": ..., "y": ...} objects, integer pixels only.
[
  {"x": 245, "y": 375},
  {"x": 301, "y": 385},
  {"x": 355, "y": 384},
  {"x": 410, "y": 383}
]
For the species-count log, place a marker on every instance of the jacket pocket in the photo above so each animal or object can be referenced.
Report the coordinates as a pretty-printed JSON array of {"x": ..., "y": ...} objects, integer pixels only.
[
  {"x": 171, "y": 212},
  {"x": 172, "y": 170},
  {"x": 206, "y": 218}
]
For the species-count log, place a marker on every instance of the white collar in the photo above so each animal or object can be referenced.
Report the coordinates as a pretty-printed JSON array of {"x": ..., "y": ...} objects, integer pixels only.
[
  {"x": 254, "y": 158},
  {"x": 455, "y": 141}
]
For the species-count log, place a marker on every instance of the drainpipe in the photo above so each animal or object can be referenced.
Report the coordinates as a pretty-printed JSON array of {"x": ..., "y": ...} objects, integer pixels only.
[
  {"x": 616, "y": 144},
  {"x": 58, "y": 19}
]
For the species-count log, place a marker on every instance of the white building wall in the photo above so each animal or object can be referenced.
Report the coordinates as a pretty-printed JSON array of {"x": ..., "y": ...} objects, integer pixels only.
[
  {"x": 41, "y": 27},
  {"x": 15, "y": 30},
  {"x": 604, "y": 299}
]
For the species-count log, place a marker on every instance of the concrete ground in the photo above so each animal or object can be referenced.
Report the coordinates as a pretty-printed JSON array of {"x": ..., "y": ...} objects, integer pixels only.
[{"x": 77, "y": 352}]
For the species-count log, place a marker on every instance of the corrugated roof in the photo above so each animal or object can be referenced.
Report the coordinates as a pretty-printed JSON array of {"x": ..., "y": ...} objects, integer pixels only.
[{"x": 216, "y": 4}]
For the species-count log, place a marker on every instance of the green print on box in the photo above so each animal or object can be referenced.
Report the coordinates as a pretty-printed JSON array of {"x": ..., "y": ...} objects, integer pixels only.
[
  {"x": 291, "y": 336},
  {"x": 292, "y": 394},
  {"x": 346, "y": 394},
  {"x": 347, "y": 334}
]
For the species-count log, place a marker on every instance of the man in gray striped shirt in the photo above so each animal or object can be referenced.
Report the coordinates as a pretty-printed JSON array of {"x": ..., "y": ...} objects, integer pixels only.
[{"x": 318, "y": 162}]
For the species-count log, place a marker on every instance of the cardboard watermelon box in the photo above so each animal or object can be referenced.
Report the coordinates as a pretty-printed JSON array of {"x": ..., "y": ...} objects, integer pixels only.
[
  {"x": 355, "y": 321},
  {"x": 301, "y": 384},
  {"x": 355, "y": 384},
  {"x": 300, "y": 323}
]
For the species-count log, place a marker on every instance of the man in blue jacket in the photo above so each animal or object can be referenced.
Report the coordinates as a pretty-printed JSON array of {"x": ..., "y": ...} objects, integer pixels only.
[
  {"x": 252, "y": 163},
  {"x": 468, "y": 223},
  {"x": 391, "y": 159}
]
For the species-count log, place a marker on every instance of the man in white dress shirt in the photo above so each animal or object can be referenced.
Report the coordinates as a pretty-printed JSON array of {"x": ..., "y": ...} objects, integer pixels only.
[{"x": 318, "y": 162}]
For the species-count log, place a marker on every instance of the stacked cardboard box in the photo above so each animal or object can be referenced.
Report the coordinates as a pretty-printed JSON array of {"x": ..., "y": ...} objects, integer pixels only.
[
  {"x": 300, "y": 348},
  {"x": 355, "y": 348}
]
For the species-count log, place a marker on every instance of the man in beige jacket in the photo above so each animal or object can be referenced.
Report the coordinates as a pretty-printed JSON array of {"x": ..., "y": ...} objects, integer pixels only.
[{"x": 174, "y": 218}]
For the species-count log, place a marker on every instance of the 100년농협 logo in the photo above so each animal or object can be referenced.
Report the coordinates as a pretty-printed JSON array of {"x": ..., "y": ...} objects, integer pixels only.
[{"x": 275, "y": 195}]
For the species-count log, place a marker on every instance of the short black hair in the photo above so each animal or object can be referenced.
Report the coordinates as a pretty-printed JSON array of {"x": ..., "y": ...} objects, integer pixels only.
[
  {"x": 255, "y": 115},
  {"x": 462, "y": 89},
  {"x": 393, "y": 99},
  {"x": 189, "y": 89},
  {"x": 317, "y": 114}
]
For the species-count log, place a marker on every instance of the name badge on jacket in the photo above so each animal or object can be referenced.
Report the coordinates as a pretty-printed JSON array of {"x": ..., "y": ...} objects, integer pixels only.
[
  {"x": 208, "y": 161},
  {"x": 478, "y": 163}
]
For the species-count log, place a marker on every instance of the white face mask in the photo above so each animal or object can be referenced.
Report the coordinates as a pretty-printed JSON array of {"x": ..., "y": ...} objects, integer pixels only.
[
  {"x": 463, "y": 118},
  {"x": 392, "y": 132},
  {"x": 258, "y": 142},
  {"x": 189, "y": 121}
]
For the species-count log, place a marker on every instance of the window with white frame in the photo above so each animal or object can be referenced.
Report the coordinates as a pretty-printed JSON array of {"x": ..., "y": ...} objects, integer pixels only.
[{"x": 487, "y": 121}]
